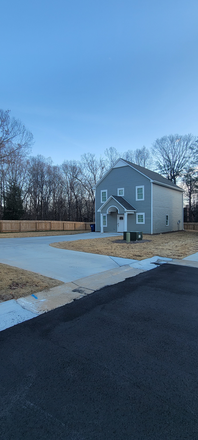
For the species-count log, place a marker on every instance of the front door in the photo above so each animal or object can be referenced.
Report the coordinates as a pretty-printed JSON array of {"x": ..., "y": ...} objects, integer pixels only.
[{"x": 120, "y": 223}]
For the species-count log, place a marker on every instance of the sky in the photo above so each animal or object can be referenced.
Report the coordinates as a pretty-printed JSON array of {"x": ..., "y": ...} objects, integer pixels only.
[{"x": 87, "y": 75}]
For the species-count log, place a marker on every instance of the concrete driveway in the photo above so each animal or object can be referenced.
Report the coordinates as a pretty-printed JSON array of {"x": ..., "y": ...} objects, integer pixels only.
[
  {"x": 120, "y": 364},
  {"x": 35, "y": 254}
]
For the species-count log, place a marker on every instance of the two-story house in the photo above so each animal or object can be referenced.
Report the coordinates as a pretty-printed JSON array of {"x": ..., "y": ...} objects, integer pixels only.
[{"x": 133, "y": 198}]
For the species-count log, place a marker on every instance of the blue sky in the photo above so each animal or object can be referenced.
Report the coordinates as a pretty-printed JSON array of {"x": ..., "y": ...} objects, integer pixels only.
[{"x": 86, "y": 75}]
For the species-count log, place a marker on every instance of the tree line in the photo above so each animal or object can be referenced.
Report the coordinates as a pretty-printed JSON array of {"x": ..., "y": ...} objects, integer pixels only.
[{"x": 33, "y": 188}]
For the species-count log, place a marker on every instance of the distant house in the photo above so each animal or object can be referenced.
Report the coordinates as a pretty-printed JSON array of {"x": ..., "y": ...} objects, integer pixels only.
[{"x": 133, "y": 198}]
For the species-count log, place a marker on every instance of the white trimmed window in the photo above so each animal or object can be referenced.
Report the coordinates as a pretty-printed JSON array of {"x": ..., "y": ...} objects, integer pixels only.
[
  {"x": 104, "y": 220},
  {"x": 120, "y": 192},
  {"x": 167, "y": 220},
  {"x": 140, "y": 218},
  {"x": 103, "y": 195},
  {"x": 139, "y": 193}
]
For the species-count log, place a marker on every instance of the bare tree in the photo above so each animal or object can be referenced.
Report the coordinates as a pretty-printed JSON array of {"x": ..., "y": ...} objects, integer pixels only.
[
  {"x": 129, "y": 155},
  {"x": 39, "y": 188},
  {"x": 92, "y": 170},
  {"x": 172, "y": 154},
  {"x": 73, "y": 189},
  {"x": 13, "y": 136},
  {"x": 142, "y": 156},
  {"x": 111, "y": 156},
  {"x": 190, "y": 179}
]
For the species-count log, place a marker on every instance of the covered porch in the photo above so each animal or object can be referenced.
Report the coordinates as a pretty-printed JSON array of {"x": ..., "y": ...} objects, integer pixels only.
[{"x": 114, "y": 214}]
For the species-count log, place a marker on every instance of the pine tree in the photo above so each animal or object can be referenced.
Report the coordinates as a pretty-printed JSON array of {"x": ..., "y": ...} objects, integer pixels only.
[{"x": 13, "y": 203}]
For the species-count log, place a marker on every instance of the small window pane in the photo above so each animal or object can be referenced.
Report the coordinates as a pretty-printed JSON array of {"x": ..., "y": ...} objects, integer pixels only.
[
  {"x": 140, "y": 193},
  {"x": 104, "y": 196},
  {"x": 140, "y": 218},
  {"x": 167, "y": 220},
  {"x": 104, "y": 220},
  {"x": 121, "y": 191}
]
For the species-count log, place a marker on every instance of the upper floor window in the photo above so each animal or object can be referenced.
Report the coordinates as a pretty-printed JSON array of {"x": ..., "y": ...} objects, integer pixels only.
[
  {"x": 120, "y": 192},
  {"x": 103, "y": 195},
  {"x": 139, "y": 192}
]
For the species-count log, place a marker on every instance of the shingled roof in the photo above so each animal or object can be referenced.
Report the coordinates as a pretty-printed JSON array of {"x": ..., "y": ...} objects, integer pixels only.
[
  {"x": 124, "y": 203},
  {"x": 152, "y": 175}
]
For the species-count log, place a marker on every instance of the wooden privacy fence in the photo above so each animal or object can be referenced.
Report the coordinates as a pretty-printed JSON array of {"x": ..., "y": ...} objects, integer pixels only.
[
  {"x": 42, "y": 225},
  {"x": 190, "y": 226}
]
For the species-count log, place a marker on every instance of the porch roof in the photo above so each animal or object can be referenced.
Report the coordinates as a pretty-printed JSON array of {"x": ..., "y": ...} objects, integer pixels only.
[{"x": 121, "y": 201}]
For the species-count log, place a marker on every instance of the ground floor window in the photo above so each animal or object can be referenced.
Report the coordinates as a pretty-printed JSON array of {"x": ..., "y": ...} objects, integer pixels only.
[
  {"x": 104, "y": 219},
  {"x": 167, "y": 220},
  {"x": 140, "y": 218}
]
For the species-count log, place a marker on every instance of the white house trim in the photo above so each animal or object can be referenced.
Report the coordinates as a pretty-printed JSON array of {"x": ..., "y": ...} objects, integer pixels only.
[
  {"x": 107, "y": 201},
  {"x": 151, "y": 208}
]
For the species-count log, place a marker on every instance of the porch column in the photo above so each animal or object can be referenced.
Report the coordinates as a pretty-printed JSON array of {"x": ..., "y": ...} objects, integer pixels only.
[
  {"x": 101, "y": 223},
  {"x": 125, "y": 221}
]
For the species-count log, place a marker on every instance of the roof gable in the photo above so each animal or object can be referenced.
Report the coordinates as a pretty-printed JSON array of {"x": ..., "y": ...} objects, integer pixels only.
[
  {"x": 150, "y": 175},
  {"x": 121, "y": 201},
  {"x": 153, "y": 176}
]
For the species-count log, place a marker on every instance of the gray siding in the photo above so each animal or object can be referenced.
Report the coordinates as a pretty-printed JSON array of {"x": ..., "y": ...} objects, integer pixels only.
[
  {"x": 167, "y": 202},
  {"x": 127, "y": 178}
]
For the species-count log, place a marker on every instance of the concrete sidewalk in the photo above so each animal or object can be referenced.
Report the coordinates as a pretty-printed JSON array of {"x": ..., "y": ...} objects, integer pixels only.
[{"x": 115, "y": 270}]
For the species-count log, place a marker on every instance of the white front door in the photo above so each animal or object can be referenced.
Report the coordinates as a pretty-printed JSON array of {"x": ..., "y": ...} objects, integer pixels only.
[{"x": 120, "y": 223}]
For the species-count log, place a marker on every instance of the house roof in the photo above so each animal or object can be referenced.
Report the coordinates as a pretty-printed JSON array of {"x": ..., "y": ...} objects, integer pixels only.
[
  {"x": 126, "y": 205},
  {"x": 151, "y": 175},
  {"x": 122, "y": 202}
]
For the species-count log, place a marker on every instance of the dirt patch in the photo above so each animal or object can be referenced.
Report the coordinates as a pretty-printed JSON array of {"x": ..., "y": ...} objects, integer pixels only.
[
  {"x": 171, "y": 245},
  {"x": 16, "y": 283}
]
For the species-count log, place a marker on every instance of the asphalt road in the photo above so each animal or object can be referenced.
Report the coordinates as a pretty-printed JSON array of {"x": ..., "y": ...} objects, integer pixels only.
[{"x": 119, "y": 364}]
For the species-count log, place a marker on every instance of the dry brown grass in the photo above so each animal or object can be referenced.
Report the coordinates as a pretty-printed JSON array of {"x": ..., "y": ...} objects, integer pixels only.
[
  {"x": 172, "y": 245},
  {"x": 15, "y": 283}
]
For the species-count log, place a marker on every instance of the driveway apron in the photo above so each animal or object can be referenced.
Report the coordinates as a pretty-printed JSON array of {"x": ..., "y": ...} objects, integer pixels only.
[{"x": 36, "y": 254}]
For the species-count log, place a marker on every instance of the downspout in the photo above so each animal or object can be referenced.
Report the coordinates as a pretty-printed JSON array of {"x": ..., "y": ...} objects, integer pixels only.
[
  {"x": 151, "y": 208},
  {"x": 94, "y": 188}
]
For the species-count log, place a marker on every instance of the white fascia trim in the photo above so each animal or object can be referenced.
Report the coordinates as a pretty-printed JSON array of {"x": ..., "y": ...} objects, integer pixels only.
[
  {"x": 112, "y": 206},
  {"x": 103, "y": 205},
  {"x": 111, "y": 197},
  {"x": 151, "y": 208},
  {"x": 168, "y": 186}
]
